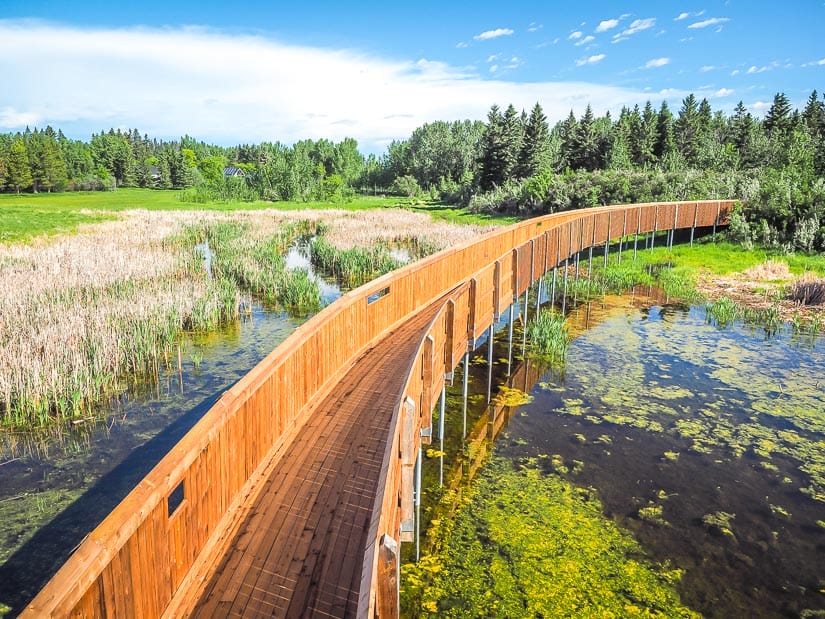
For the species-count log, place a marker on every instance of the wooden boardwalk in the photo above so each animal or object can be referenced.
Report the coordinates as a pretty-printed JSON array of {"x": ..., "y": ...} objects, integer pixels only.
[
  {"x": 296, "y": 549},
  {"x": 290, "y": 497}
]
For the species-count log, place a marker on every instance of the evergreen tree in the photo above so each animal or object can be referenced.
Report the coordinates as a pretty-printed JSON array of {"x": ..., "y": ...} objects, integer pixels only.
[
  {"x": 534, "y": 149},
  {"x": 500, "y": 147},
  {"x": 18, "y": 172},
  {"x": 586, "y": 143},
  {"x": 665, "y": 143},
  {"x": 779, "y": 120},
  {"x": 688, "y": 130},
  {"x": 567, "y": 135}
]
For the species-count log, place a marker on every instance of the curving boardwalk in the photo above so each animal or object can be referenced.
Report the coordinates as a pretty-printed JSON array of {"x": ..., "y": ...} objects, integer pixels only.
[{"x": 292, "y": 494}]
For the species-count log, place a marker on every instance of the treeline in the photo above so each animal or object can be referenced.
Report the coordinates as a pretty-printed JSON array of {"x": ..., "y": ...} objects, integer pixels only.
[
  {"x": 517, "y": 162},
  {"x": 513, "y": 162},
  {"x": 46, "y": 160}
]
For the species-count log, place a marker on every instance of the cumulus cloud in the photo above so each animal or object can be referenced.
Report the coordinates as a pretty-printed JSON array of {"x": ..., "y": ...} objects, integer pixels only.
[
  {"x": 575, "y": 35},
  {"x": 590, "y": 60},
  {"x": 710, "y": 22},
  {"x": 585, "y": 40},
  {"x": 493, "y": 34},
  {"x": 607, "y": 24},
  {"x": 238, "y": 88},
  {"x": 815, "y": 63},
  {"x": 681, "y": 16},
  {"x": 707, "y": 68},
  {"x": 656, "y": 62},
  {"x": 723, "y": 92}
]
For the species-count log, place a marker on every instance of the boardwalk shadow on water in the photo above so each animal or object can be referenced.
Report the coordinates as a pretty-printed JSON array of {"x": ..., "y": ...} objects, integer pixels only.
[{"x": 31, "y": 567}]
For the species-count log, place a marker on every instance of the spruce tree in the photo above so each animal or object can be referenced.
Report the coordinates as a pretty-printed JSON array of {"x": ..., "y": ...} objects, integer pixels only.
[
  {"x": 19, "y": 174},
  {"x": 534, "y": 148},
  {"x": 665, "y": 143},
  {"x": 778, "y": 120},
  {"x": 586, "y": 143},
  {"x": 688, "y": 130}
]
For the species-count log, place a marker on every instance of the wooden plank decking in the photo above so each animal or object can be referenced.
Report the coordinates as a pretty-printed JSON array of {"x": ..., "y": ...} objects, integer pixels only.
[{"x": 296, "y": 549}]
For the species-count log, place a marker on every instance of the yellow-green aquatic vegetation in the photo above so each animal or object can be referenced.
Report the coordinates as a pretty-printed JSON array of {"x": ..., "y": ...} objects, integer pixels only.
[
  {"x": 746, "y": 396},
  {"x": 720, "y": 521},
  {"x": 527, "y": 545},
  {"x": 512, "y": 397}
]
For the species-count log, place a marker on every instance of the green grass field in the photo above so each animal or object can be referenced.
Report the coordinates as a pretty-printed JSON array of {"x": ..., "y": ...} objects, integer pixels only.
[{"x": 26, "y": 216}]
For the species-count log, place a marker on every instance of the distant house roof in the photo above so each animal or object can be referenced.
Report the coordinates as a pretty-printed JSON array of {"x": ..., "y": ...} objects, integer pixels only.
[
  {"x": 232, "y": 171},
  {"x": 154, "y": 172}
]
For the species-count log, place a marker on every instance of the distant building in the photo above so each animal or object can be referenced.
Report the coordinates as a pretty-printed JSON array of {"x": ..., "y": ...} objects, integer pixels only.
[
  {"x": 233, "y": 172},
  {"x": 154, "y": 174}
]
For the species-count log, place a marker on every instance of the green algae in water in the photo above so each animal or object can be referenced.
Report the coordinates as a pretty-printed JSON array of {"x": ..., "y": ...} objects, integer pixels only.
[
  {"x": 528, "y": 544},
  {"x": 730, "y": 391}
]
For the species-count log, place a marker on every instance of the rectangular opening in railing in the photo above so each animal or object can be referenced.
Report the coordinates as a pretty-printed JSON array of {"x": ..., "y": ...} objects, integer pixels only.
[
  {"x": 377, "y": 295},
  {"x": 175, "y": 499}
]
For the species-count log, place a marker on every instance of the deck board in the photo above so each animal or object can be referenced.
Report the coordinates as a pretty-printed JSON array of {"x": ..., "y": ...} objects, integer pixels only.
[{"x": 298, "y": 551}]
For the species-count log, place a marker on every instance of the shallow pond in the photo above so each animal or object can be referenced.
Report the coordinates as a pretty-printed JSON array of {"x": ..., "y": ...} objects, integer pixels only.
[
  {"x": 707, "y": 445},
  {"x": 54, "y": 490}
]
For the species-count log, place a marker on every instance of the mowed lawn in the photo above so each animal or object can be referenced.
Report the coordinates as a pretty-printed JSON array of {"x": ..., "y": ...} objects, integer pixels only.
[{"x": 25, "y": 216}]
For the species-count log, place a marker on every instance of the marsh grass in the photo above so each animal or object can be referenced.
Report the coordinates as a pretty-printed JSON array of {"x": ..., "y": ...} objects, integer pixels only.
[
  {"x": 353, "y": 266},
  {"x": 549, "y": 337},
  {"x": 83, "y": 315}
]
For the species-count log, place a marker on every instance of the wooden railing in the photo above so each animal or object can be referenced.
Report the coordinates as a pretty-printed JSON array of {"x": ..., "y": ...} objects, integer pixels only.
[{"x": 140, "y": 555}]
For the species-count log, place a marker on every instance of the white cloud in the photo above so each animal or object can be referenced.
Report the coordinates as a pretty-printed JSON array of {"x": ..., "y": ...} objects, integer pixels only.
[
  {"x": 619, "y": 39},
  {"x": 735, "y": 72},
  {"x": 229, "y": 89},
  {"x": 462, "y": 45},
  {"x": 637, "y": 25},
  {"x": 575, "y": 35},
  {"x": 493, "y": 68},
  {"x": 710, "y": 22},
  {"x": 754, "y": 69},
  {"x": 590, "y": 60},
  {"x": 815, "y": 63},
  {"x": 492, "y": 57},
  {"x": 723, "y": 92},
  {"x": 606, "y": 25},
  {"x": 534, "y": 27},
  {"x": 656, "y": 62},
  {"x": 681, "y": 16},
  {"x": 584, "y": 41},
  {"x": 707, "y": 68},
  {"x": 493, "y": 34},
  {"x": 10, "y": 118}
]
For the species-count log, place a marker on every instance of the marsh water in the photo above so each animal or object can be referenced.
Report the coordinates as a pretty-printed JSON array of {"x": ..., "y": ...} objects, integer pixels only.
[
  {"x": 707, "y": 444},
  {"x": 55, "y": 489}
]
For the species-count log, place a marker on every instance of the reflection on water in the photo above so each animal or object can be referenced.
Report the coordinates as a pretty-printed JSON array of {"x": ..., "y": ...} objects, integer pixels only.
[{"x": 298, "y": 257}]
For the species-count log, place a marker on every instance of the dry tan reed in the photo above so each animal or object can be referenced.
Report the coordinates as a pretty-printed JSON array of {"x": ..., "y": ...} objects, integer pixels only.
[{"x": 80, "y": 314}]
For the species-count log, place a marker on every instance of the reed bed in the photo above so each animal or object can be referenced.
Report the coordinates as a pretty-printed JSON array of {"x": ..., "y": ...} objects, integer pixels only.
[
  {"x": 82, "y": 315},
  {"x": 549, "y": 337}
]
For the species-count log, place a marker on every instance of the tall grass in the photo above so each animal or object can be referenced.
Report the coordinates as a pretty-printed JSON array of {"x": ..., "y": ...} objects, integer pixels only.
[{"x": 549, "y": 337}]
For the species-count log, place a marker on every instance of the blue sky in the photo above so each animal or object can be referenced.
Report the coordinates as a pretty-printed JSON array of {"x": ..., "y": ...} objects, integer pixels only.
[{"x": 252, "y": 71}]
